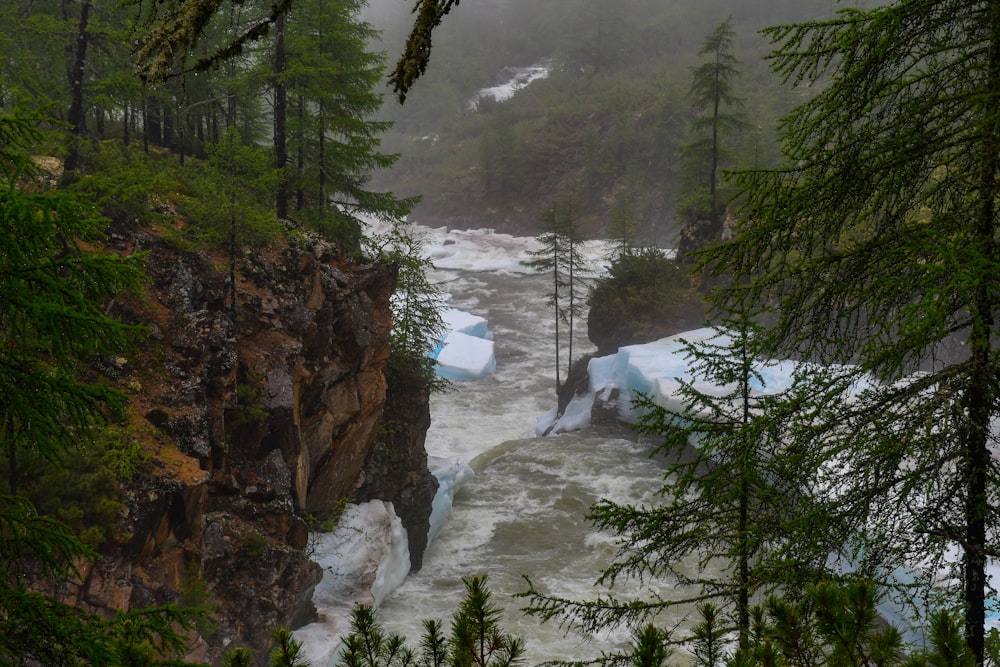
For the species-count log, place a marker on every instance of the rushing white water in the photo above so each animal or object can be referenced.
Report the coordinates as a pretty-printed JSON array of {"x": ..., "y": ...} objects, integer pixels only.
[
  {"x": 523, "y": 513},
  {"x": 515, "y": 79}
]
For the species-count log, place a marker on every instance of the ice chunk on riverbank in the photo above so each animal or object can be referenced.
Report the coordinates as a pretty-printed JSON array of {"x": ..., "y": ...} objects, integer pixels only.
[
  {"x": 451, "y": 474},
  {"x": 656, "y": 369},
  {"x": 366, "y": 558}
]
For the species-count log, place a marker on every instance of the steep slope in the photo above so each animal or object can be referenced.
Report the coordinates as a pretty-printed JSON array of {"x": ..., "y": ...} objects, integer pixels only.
[{"x": 253, "y": 421}]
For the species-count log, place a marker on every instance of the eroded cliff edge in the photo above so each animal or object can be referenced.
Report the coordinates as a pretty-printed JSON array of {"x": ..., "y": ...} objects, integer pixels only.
[{"x": 258, "y": 412}]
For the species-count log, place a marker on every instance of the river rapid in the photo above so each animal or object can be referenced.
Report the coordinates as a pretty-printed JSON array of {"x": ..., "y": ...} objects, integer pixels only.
[{"x": 523, "y": 512}]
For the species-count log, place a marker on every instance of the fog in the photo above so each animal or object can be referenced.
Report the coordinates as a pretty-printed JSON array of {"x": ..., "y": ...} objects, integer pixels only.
[{"x": 612, "y": 115}]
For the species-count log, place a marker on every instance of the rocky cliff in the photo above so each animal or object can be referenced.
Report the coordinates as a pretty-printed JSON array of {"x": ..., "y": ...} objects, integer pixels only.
[{"x": 258, "y": 409}]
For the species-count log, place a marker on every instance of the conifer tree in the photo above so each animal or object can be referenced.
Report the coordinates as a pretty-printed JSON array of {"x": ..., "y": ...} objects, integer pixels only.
[
  {"x": 561, "y": 256},
  {"x": 623, "y": 229},
  {"x": 718, "y": 107},
  {"x": 476, "y": 638},
  {"x": 877, "y": 243},
  {"x": 729, "y": 500},
  {"x": 417, "y": 326},
  {"x": 287, "y": 651},
  {"x": 54, "y": 288},
  {"x": 649, "y": 647},
  {"x": 170, "y": 34},
  {"x": 333, "y": 141},
  {"x": 52, "y": 297}
]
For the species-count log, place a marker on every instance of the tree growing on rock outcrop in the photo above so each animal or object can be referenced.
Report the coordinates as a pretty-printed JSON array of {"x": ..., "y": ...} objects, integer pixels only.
[
  {"x": 417, "y": 326},
  {"x": 713, "y": 98},
  {"x": 332, "y": 82},
  {"x": 560, "y": 255}
]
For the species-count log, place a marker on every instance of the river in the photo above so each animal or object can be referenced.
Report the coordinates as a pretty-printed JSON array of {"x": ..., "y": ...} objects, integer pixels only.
[{"x": 523, "y": 512}]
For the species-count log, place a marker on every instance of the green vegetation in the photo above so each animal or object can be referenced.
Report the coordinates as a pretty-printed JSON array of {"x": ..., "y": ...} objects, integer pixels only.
[
  {"x": 416, "y": 305},
  {"x": 187, "y": 154},
  {"x": 612, "y": 115},
  {"x": 561, "y": 256},
  {"x": 837, "y": 624},
  {"x": 644, "y": 295},
  {"x": 877, "y": 244},
  {"x": 53, "y": 291},
  {"x": 874, "y": 241},
  {"x": 229, "y": 202},
  {"x": 730, "y": 501},
  {"x": 476, "y": 638},
  {"x": 715, "y": 127}
]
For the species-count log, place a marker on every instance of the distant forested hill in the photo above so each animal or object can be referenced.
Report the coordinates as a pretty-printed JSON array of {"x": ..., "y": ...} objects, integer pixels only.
[{"x": 605, "y": 130}]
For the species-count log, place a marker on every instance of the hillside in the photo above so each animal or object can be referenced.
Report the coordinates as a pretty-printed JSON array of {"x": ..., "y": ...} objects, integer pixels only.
[{"x": 607, "y": 128}]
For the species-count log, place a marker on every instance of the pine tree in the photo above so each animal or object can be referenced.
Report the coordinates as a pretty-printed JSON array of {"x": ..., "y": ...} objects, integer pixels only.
[
  {"x": 561, "y": 255},
  {"x": 712, "y": 97},
  {"x": 476, "y": 638},
  {"x": 833, "y": 623},
  {"x": 649, "y": 647},
  {"x": 877, "y": 243},
  {"x": 729, "y": 500},
  {"x": 54, "y": 289},
  {"x": 287, "y": 652},
  {"x": 238, "y": 657}
]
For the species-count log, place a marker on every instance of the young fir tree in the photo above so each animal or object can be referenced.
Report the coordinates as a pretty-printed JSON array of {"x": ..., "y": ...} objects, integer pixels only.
[
  {"x": 718, "y": 119},
  {"x": 877, "y": 244},
  {"x": 54, "y": 289},
  {"x": 560, "y": 255},
  {"x": 476, "y": 638},
  {"x": 837, "y": 623},
  {"x": 417, "y": 327},
  {"x": 729, "y": 501},
  {"x": 286, "y": 652}
]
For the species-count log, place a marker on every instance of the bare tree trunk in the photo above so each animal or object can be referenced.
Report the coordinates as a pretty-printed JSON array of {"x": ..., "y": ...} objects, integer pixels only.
[
  {"x": 77, "y": 120},
  {"x": 280, "y": 119}
]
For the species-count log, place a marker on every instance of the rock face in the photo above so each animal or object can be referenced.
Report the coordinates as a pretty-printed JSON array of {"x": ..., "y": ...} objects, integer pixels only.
[
  {"x": 257, "y": 417},
  {"x": 402, "y": 448}
]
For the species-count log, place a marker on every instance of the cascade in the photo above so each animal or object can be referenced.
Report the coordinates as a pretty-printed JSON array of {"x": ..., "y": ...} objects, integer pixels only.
[{"x": 522, "y": 511}]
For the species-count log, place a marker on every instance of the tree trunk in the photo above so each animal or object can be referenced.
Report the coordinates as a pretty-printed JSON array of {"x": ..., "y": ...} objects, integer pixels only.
[
  {"x": 76, "y": 119},
  {"x": 127, "y": 125},
  {"x": 743, "y": 527},
  {"x": 280, "y": 119},
  {"x": 300, "y": 160},
  {"x": 323, "y": 203},
  {"x": 979, "y": 395}
]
